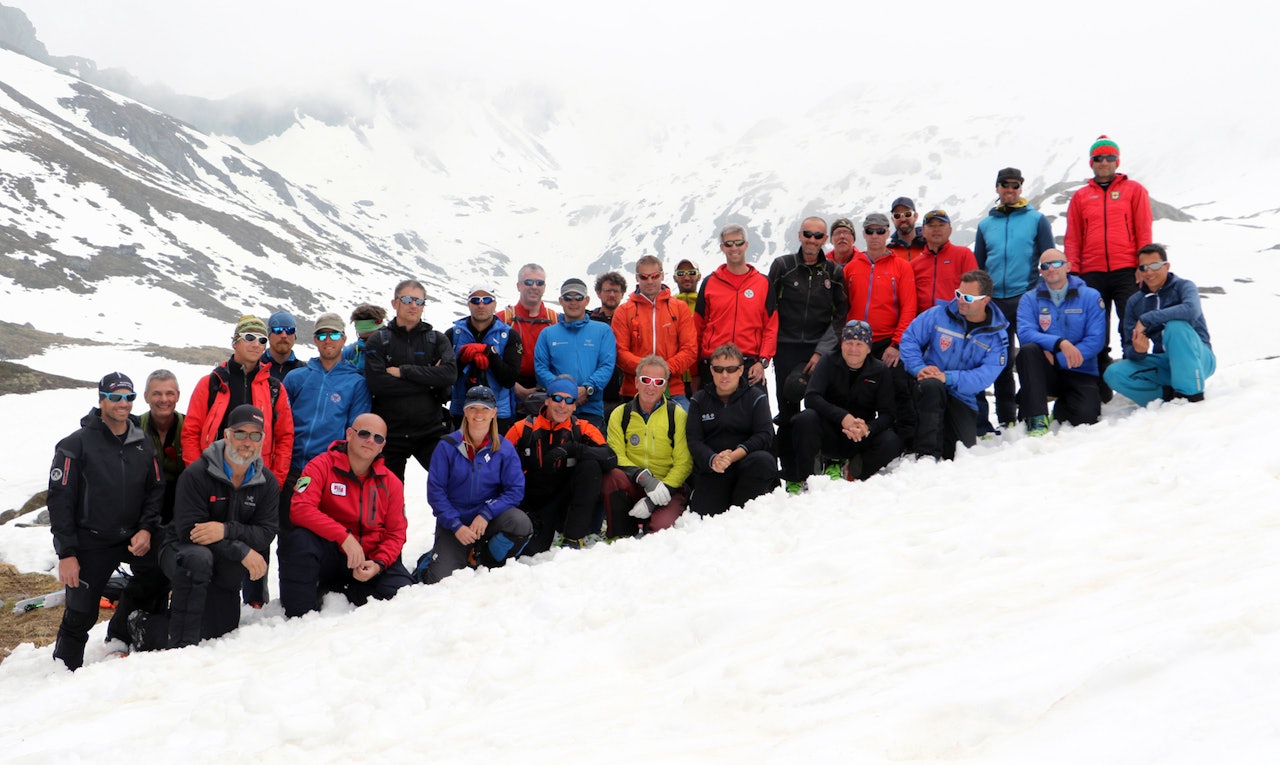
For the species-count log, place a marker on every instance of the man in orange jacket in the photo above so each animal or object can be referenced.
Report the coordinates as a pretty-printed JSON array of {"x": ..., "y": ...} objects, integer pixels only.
[{"x": 653, "y": 321}]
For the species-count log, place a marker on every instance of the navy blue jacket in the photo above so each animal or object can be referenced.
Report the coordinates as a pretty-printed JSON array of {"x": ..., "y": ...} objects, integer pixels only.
[
  {"x": 1177, "y": 300},
  {"x": 715, "y": 425},
  {"x": 460, "y": 488}
]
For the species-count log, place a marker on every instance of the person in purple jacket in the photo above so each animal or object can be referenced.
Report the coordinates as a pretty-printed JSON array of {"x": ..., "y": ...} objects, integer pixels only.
[{"x": 474, "y": 486}]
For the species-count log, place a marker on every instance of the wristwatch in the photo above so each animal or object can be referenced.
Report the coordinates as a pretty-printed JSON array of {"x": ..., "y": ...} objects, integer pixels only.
[
  {"x": 764, "y": 363},
  {"x": 591, "y": 390}
]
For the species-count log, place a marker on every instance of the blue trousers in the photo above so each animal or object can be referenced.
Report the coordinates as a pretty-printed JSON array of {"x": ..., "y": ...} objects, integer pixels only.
[{"x": 1184, "y": 366}]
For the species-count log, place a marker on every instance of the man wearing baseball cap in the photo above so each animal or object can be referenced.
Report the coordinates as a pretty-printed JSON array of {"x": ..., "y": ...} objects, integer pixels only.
[
  {"x": 1108, "y": 221},
  {"x": 223, "y": 522},
  {"x": 279, "y": 357},
  {"x": 489, "y": 353},
  {"x": 907, "y": 239},
  {"x": 843, "y": 237},
  {"x": 327, "y": 396},
  {"x": 105, "y": 493},
  {"x": 584, "y": 350},
  {"x": 940, "y": 265},
  {"x": 1008, "y": 246}
]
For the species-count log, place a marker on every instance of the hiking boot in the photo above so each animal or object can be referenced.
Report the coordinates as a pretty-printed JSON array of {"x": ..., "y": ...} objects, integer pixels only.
[
  {"x": 834, "y": 471},
  {"x": 852, "y": 470},
  {"x": 573, "y": 544},
  {"x": 1038, "y": 425},
  {"x": 794, "y": 487}
]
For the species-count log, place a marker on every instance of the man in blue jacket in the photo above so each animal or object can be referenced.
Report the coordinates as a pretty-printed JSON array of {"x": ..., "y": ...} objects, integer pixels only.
[
  {"x": 1008, "y": 247},
  {"x": 954, "y": 351},
  {"x": 1062, "y": 327},
  {"x": 489, "y": 353},
  {"x": 580, "y": 348},
  {"x": 1166, "y": 340}
]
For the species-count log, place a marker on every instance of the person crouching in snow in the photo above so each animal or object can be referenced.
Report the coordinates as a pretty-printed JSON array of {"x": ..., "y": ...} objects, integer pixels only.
[
  {"x": 349, "y": 524},
  {"x": 646, "y": 491},
  {"x": 474, "y": 486}
]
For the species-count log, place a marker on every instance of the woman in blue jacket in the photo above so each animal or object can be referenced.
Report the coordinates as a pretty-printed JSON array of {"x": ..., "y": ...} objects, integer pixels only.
[{"x": 474, "y": 486}]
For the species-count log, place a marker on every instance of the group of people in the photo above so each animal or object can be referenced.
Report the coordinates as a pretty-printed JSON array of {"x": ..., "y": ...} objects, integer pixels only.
[{"x": 541, "y": 427}]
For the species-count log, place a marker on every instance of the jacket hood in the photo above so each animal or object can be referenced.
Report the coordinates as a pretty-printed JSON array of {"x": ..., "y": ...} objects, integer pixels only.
[{"x": 1020, "y": 206}]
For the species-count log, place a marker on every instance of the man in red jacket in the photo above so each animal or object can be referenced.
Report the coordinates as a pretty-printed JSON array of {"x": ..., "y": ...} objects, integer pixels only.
[
  {"x": 940, "y": 265},
  {"x": 882, "y": 292},
  {"x": 1108, "y": 221},
  {"x": 348, "y": 513},
  {"x": 735, "y": 305}
]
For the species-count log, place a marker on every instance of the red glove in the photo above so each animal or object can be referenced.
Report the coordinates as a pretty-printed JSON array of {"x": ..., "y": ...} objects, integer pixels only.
[
  {"x": 468, "y": 352},
  {"x": 481, "y": 361}
]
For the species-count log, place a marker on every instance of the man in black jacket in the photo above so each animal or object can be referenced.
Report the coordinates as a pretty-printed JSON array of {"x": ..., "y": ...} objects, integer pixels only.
[
  {"x": 809, "y": 291},
  {"x": 224, "y": 519},
  {"x": 105, "y": 492},
  {"x": 410, "y": 369},
  {"x": 849, "y": 411}
]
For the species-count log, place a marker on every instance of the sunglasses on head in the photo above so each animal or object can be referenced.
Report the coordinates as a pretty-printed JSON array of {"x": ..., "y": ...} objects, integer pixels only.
[
  {"x": 253, "y": 337},
  {"x": 683, "y": 273},
  {"x": 408, "y": 299},
  {"x": 968, "y": 298},
  {"x": 252, "y": 435},
  {"x": 535, "y": 282},
  {"x": 483, "y": 300},
  {"x": 649, "y": 277},
  {"x": 814, "y": 234},
  {"x": 116, "y": 398},
  {"x": 875, "y": 231},
  {"x": 725, "y": 370},
  {"x": 1104, "y": 158},
  {"x": 655, "y": 381},
  {"x": 284, "y": 330},
  {"x": 901, "y": 215},
  {"x": 1159, "y": 264},
  {"x": 1048, "y": 264},
  {"x": 1010, "y": 185},
  {"x": 365, "y": 435},
  {"x": 322, "y": 336},
  {"x": 562, "y": 398},
  {"x": 733, "y": 242}
]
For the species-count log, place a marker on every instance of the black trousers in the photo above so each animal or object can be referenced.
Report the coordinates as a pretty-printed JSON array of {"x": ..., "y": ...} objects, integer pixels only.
[
  {"x": 944, "y": 420},
  {"x": 904, "y": 395},
  {"x": 1006, "y": 388},
  {"x": 205, "y": 603},
  {"x": 750, "y": 477},
  {"x": 256, "y": 591},
  {"x": 1077, "y": 392},
  {"x": 399, "y": 448},
  {"x": 310, "y": 565},
  {"x": 816, "y": 436},
  {"x": 81, "y": 612},
  {"x": 564, "y": 502},
  {"x": 789, "y": 356},
  {"x": 1115, "y": 288}
]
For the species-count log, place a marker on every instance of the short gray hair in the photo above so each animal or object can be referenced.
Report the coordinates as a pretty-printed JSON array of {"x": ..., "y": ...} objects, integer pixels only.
[
  {"x": 160, "y": 375},
  {"x": 732, "y": 228}
]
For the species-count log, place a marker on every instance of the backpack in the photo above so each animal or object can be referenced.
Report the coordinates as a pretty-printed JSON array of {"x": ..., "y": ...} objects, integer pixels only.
[
  {"x": 671, "y": 419},
  {"x": 215, "y": 385},
  {"x": 509, "y": 316},
  {"x": 527, "y": 445}
]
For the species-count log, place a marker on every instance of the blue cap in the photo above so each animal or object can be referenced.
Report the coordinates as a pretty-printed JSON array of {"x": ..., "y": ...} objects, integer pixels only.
[
  {"x": 563, "y": 385},
  {"x": 282, "y": 319}
]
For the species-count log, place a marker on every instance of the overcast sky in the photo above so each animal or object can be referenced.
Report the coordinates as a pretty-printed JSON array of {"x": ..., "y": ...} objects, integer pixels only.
[{"x": 760, "y": 57}]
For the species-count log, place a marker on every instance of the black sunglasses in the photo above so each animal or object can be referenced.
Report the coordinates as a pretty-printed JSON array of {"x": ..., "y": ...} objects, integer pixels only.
[
  {"x": 1010, "y": 185},
  {"x": 407, "y": 299},
  {"x": 875, "y": 231},
  {"x": 814, "y": 234}
]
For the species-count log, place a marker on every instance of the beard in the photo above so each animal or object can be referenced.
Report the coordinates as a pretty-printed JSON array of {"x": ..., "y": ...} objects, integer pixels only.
[{"x": 233, "y": 456}]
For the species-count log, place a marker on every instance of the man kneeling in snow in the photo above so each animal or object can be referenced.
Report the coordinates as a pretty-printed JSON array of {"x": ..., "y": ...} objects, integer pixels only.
[
  {"x": 224, "y": 519},
  {"x": 348, "y": 509}
]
